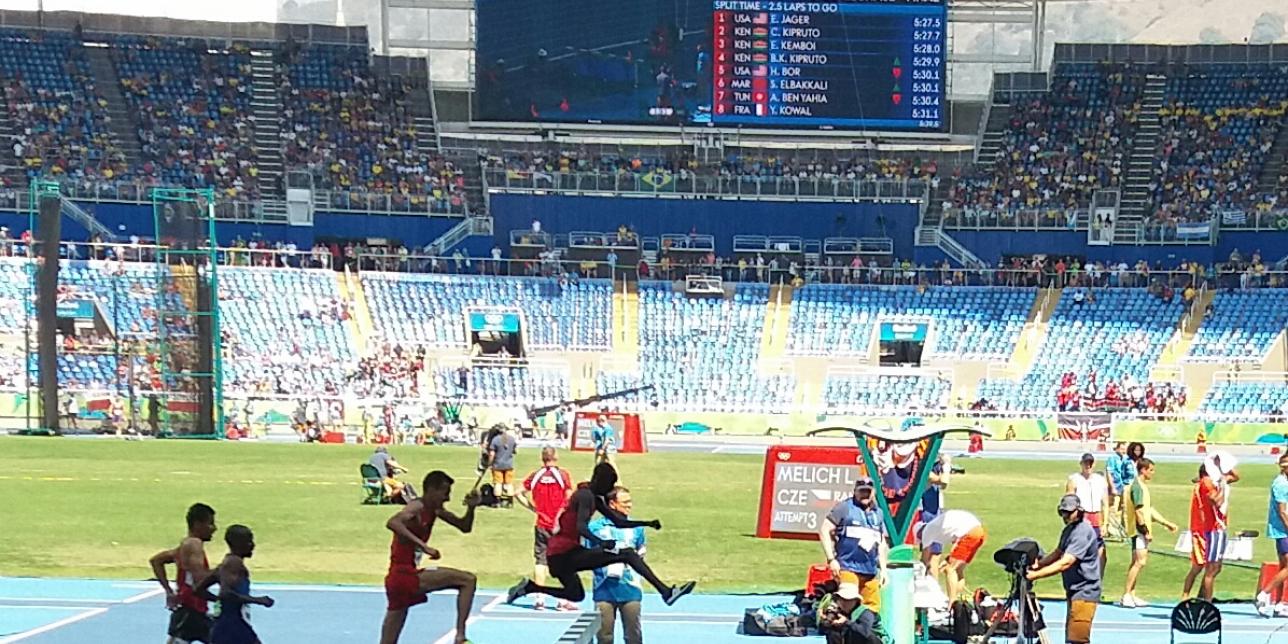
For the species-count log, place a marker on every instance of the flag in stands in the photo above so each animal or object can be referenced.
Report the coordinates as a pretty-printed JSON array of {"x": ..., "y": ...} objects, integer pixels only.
[
  {"x": 1194, "y": 230},
  {"x": 1083, "y": 425},
  {"x": 657, "y": 179},
  {"x": 1237, "y": 217}
]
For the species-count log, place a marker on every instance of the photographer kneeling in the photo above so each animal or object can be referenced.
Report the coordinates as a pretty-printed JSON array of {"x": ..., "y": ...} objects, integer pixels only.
[
  {"x": 842, "y": 617},
  {"x": 1077, "y": 559}
]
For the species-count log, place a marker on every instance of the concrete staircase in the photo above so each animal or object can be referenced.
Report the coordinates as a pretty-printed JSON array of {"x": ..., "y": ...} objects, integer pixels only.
[
  {"x": 1169, "y": 360},
  {"x": 124, "y": 131},
  {"x": 360, "y": 325},
  {"x": 1136, "y": 198},
  {"x": 999, "y": 115},
  {"x": 266, "y": 110},
  {"x": 626, "y": 318},
  {"x": 10, "y": 166},
  {"x": 1034, "y": 334},
  {"x": 1268, "y": 181},
  {"x": 773, "y": 335}
]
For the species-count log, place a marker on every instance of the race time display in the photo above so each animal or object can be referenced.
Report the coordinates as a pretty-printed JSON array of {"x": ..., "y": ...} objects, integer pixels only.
[
  {"x": 864, "y": 64},
  {"x": 858, "y": 64}
]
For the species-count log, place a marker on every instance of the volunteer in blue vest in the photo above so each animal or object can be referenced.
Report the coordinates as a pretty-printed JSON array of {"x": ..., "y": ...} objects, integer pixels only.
[
  {"x": 1277, "y": 529},
  {"x": 604, "y": 437},
  {"x": 855, "y": 540},
  {"x": 617, "y": 589}
]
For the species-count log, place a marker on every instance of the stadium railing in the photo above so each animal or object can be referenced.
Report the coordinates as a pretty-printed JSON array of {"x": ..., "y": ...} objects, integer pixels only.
[
  {"x": 380, "y": 203},
  {"x": 955, "y": 218},
  {"x": 672, "y": 183},
  {"x": 225, "y": 209}
]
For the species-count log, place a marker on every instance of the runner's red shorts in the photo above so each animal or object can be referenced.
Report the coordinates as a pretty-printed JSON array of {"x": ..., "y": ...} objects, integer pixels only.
[{"x": 402, "y": 588}]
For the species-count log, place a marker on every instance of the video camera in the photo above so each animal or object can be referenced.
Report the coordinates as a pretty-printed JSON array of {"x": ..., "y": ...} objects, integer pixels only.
[{"x": 1018, "y": 555}]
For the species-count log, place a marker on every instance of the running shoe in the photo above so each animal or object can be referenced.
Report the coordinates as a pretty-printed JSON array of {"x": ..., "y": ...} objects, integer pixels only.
[
  {"x": 679, "y": 591},
  {"x": 1127, "y": 601},
  {"x": 568, "y": 606},
  {"x": 1264, "y": 608},
  {"x": 516, "y": 591}
]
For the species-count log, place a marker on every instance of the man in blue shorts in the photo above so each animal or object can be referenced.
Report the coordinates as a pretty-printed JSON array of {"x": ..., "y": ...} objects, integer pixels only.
[
  {"x": 233, "y": 624},
  {"x": 1277, "y": 529}
]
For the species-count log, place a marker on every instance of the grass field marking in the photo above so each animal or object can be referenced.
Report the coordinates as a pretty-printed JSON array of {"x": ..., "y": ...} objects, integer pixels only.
[
  {"x": 451, "y": 634},
  {"x": 72, "y": 479},
  {"x": 88, "y": 613},
  {"x": 147, "y": 594}
]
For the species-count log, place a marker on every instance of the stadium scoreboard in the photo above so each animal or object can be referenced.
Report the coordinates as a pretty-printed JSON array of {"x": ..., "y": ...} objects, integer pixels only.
[{"x": 853, "y": 64}]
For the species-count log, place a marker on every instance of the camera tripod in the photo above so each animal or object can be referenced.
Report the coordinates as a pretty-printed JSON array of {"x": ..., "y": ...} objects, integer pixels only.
[{"x": 1028, "y": 614}]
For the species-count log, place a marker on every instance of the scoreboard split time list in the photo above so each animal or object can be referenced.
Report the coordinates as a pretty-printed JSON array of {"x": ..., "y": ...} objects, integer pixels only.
[{"x": 851, "y": 64}]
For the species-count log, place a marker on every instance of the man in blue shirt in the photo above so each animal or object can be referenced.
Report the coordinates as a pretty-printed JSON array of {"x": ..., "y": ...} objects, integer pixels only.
[
  {"x": 604, "y": 437},
  {"x": 1277, "y": 529},
  {"x": 1121, "y": 472},
  {"x": 1077, "y": 560},
  {"x": 617, "y": 588},
  {"x": 854, "y": 539}
]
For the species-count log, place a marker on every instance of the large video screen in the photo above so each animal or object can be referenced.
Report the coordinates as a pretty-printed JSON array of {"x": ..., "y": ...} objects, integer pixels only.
[{"x": 854, "y": 64}]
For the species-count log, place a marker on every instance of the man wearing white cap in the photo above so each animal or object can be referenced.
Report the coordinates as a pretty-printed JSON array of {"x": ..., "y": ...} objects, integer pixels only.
[{"x": 841, "y": 615}]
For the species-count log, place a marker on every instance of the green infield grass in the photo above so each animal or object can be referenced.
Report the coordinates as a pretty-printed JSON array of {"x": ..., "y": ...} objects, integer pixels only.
[{"x": 100, "y": 508}]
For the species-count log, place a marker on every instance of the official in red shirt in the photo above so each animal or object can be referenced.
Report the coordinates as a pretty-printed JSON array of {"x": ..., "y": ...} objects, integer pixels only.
[{"x": 545, "y": 492}]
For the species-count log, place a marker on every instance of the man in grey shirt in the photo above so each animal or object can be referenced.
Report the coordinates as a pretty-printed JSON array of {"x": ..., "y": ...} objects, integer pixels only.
[
  {"x": 501, "y": 458},
  {"x": 1077, "y": 559}
]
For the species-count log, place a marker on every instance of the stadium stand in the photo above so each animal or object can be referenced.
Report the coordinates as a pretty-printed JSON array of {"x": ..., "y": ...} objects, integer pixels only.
[
  {"x": 1057, "y": 149},
  {"x": 702, "y": 354},
  {"x": 970, "y": 323},
  {"x": 429, "y": 309},
  {"x": 192, "y": 107},
  {"x": 351, "y": 130},
  {"x": 284, "y": 331},
  {"x": 125, "y": 292},
  {"x": 1246, "y": 401},
  {"x": 1219, "y": 123},
  {"x": 1242, "y": 325},
  {"x": 60, "y": 120},
  {"x": 1118, "y": 336},
  {"x": 506, "y": 385},
  {"x": 15, "y": 285},
  {"x": 885, "y": 393}
]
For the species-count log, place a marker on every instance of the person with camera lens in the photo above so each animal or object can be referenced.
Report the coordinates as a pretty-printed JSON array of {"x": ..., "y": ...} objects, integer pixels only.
[
  {"x": 1077, "y": 561},
  {"x": 843, "y": 619},
  {"x": 854, "y": 540}
]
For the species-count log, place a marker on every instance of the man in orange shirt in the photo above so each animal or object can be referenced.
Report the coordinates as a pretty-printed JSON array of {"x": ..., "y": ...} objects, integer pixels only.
[{"x": 1209, "y": 508}]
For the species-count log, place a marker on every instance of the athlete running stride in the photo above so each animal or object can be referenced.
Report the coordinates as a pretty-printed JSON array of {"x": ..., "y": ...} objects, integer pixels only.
[
  {"x": 189, "y": 621},
  {"x": 233, "y": 624},
  {"x": 566, "y": 557},
  {"x": 406, "y": 585}
]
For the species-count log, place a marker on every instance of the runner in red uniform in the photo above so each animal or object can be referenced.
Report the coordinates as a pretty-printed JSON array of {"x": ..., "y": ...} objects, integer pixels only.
[
  {"x": 567, "y": 557},
  {"x": 406, "y": 585},
  {"x": 188, "y": 619}
]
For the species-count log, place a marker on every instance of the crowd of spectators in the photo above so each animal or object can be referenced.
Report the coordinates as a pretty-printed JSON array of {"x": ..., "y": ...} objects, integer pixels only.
[
  {"x": 192, "y": 108},
  {"x": 352, "y": 131},
  {"x": 1114, "y": 396},
  {"x": 680, "y": 166},
  {"x": 61, "y": 124},
  {"x": 1218, "y": 126},
  {"x": 390, "y": 371},
  {"x": 1058, "y": 148}
]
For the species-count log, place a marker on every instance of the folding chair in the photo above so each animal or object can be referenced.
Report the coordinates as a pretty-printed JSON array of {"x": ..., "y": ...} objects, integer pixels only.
[
  {"x": 1195, "y": 617},
  {"x": 373, "y": 485}
]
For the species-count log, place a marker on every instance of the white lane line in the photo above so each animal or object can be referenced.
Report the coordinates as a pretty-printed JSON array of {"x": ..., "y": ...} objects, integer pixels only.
[
  {"x": 451, "y": 635},
  {"x": 142, "y": 596},
  {"x": 71, "y": 600},
  {"x": 93, "y": 612}
]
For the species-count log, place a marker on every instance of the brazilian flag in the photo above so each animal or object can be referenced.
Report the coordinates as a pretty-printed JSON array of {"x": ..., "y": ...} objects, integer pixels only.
[{"x": 658, "y": 180}]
